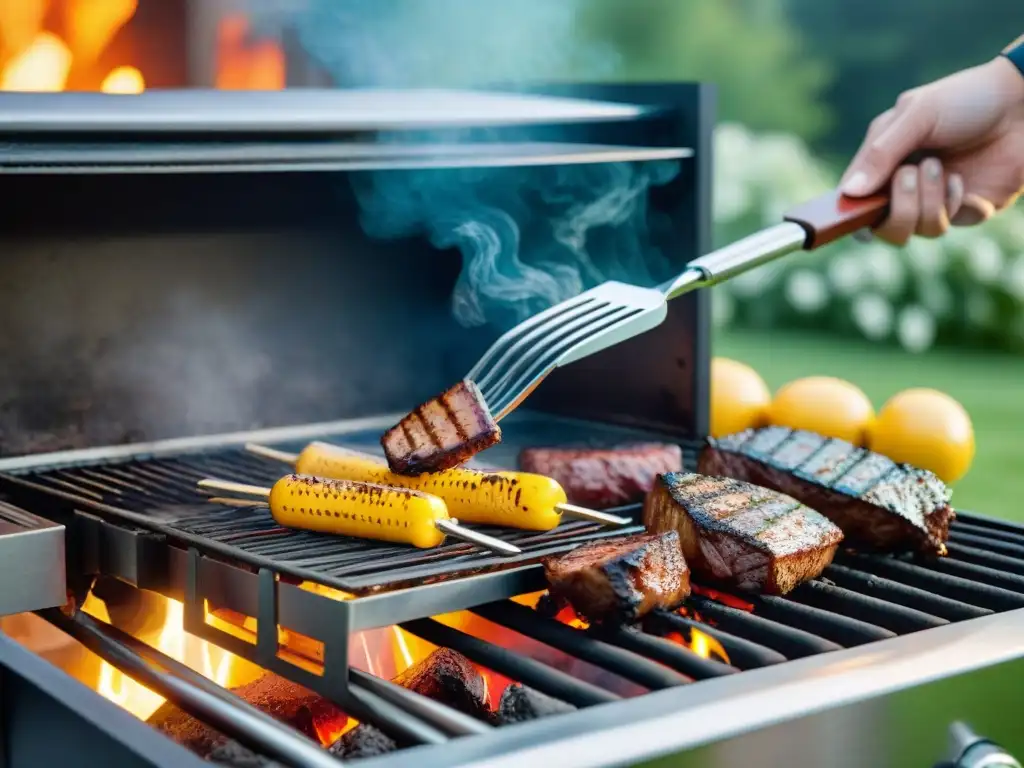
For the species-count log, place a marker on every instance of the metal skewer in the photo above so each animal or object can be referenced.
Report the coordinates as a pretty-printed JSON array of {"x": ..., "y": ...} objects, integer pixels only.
[
  {"x": 567, "y": 510},
  {"x": 448, "y": 527}
]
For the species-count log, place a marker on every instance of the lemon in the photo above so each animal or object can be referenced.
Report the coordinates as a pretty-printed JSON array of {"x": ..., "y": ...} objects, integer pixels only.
[
  {"x": 828, "y": 406},
  {"x": 739, "y": 397},
  {"x": 928, "y": 429}
]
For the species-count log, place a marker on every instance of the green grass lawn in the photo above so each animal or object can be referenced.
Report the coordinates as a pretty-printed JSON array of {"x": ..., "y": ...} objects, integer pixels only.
[{"x": 990, "y": 386}]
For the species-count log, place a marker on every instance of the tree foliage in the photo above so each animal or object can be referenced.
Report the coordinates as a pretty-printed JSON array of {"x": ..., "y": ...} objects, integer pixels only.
[
  {"x": 748, "y": 48},
  {"x": 879, "y": 48}
]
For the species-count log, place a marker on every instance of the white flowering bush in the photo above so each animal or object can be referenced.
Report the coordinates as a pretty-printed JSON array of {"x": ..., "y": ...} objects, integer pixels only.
[{"x": 966, "y": 288}]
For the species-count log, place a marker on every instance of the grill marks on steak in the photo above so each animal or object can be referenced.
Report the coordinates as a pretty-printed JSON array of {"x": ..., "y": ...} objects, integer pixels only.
[
  {"x": 621, "y": 579},
  {"x": 752, "y": 538},
  {"x": 599, "y": 479},
  {"x": 441, "y": 433},
  {"x": 876, "y": 502}
]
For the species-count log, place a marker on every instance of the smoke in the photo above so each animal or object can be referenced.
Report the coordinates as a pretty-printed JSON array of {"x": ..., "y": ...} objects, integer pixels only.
[
  {"x": 528, "y": 238},
  {"x": 401, "y": 43}
]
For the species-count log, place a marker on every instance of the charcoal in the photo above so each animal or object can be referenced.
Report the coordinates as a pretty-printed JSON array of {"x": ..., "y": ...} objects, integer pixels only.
[
  {"x": 362, "y": 741},
  {"x": 234, "y": 755},
  {"x": 519, "y": 704},
  {"x": 282, "y": 699},
  {"x": 449, "y": 678}
]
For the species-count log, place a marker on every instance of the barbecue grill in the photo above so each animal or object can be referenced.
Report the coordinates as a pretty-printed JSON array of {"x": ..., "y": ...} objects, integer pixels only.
[{"x": 183, "y": 276}]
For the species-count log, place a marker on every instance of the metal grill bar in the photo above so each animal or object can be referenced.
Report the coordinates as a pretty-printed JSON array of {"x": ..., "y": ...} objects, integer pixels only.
[
  {"x": 520, "y": 619},
  {"x": 164, "y": 489},
  {"x": 665, "y": 651},
  {"x": 901, "y": 594},
  {"x": 192, "y": 693},
  {"x": 512, "y": 665},
  {"x": 869, "y": 610},
  {"x": 971, "y": 592},
  {"x": 743, "y": 654},
  {"x": 791, "y": 642}
]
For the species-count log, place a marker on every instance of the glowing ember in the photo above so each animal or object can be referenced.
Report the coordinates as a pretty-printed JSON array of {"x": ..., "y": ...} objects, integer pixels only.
[
  {"x": 723, "y": 598},
  {"x": 124, "y": 80}
]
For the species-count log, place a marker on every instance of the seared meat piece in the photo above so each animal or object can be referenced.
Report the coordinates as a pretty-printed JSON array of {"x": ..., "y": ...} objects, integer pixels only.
[
  {"x": 753, "y": 538},
  {"x": 519, "y": 704},
  {"x": 600, "y": 479},
  {"x": 621, "y": 579},
  {"x": 442, "y": 433},
  {"x": 877, "y": 502}
]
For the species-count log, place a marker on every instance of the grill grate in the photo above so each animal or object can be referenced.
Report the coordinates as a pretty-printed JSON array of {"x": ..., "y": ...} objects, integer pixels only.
[
  {"x": 860, "y": 599},
  {"x": 164, "y": 489}
]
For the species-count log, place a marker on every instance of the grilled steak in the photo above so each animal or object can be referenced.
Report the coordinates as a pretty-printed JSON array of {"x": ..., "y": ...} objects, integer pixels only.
[
  {"x": 605, "y": 478},
  {"x": 441, "y": 433},
  {"x": 877, "y": 502},
  {"x": 752, "y": 538},
  {"x": 621, "y": 579}
]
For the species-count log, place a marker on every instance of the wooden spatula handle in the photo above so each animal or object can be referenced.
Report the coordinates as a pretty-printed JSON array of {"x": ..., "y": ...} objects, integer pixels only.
[{"x": 834, "y": 215}]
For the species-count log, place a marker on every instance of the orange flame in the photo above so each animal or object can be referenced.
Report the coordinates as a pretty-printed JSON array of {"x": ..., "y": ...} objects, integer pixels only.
[
  {"x": 43, "y": 66},
  {"x": 244, "y": 65},
  {"x": 36, "y": 58},
  {"x": 213, "y": 663}
]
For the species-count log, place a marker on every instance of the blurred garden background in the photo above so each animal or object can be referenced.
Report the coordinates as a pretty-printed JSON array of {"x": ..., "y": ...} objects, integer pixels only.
[{"x": 798, "y": 82}]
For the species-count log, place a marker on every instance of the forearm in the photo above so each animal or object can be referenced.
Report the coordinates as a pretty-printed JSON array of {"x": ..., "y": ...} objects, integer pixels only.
[{"x": 1011, "y": 63}]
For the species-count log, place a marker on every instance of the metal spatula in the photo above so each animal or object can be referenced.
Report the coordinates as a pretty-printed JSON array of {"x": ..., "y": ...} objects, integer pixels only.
[{"x": 613, "y": 312}]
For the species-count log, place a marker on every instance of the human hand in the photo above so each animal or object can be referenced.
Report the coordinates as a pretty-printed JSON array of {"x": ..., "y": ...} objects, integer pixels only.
[{"x": 970, "y": 129}]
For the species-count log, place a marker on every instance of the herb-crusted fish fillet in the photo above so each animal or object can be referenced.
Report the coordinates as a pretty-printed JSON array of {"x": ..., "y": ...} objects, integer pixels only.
[
  {"x": 441, "y": 433},
  {"x": 877, "y": 502},
  {"x": 752, "y": 538},
  {"x": 621, "y": 579}
]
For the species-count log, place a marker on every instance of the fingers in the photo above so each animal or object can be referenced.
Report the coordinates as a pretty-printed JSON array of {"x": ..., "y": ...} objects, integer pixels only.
[
  {"x": 904, "y": 208},
  {"x": 923, "y": 201},
  {"x": 933, "y": 220},
  {"x": 877, "y": 127},
  {"x": 888, "y": 143}
]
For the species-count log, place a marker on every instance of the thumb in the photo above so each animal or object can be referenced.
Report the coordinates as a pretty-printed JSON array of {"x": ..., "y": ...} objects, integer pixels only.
[{"x": 878, "y": 161}]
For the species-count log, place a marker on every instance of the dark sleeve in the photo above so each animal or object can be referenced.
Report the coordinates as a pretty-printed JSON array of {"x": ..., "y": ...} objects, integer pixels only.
[{"x": 1015, "y": 53}]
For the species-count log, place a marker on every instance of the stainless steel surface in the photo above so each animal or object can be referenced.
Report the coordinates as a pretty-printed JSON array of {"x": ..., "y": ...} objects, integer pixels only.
[
  {"x": 452, "y": 528},
  {"x": 340, "y": 156},
  {"x": 737, "y": 258},
  {"x": 32, "y": 568},
  {"x": 593, "y": 515},
  {"x": 199, "y": 698},
  {"x": 299, "y": 110},
  {"x": 680, "y": 719},
  {"x": 970, "y": 750},
  {"x": 608, "y": 315}
]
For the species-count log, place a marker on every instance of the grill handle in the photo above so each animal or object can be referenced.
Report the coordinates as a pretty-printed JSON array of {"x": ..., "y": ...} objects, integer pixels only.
[
  {"x": 834, "y": 215},
  {"x": 969, "y": 750}
]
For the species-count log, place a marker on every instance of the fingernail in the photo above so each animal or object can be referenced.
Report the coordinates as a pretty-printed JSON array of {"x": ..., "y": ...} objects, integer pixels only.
[
  {"x": 932, "y": 169},
  {"x": 955, "y": 186},
  {"x": 863, "y": 236},
  {"x": 908, "y": 180},
  {"x": 856, "y": 184}
]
